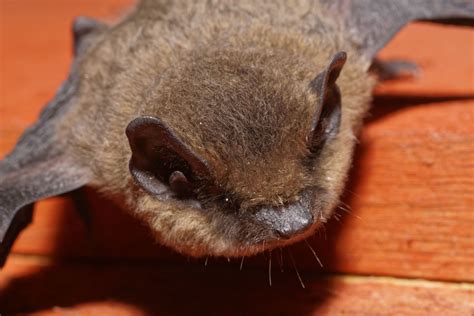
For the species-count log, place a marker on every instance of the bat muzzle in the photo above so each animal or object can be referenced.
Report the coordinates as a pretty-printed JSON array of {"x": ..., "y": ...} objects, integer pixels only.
[{"x": 287, "y": 221}]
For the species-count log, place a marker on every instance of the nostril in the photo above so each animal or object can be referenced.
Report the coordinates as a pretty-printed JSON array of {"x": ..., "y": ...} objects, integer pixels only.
[
  {"x": 295, "y": 227},
  {"x": 286, "y": 221}
]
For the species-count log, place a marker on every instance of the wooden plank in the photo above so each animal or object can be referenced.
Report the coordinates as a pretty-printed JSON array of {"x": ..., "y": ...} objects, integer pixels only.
[
  {"x": 412, "y": 197},
  {"x": 411, "y": 190},
  {"x": 43, "y": 288}
]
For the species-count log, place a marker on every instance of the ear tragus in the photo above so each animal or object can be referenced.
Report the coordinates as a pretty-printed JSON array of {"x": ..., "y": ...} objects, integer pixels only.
[
  {"x": 160, "y": 156},
  {"x": 326, "y": 118}
]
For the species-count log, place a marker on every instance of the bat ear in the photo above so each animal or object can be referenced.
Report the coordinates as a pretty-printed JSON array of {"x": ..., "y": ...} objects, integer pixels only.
[
  {"x": 327, "y": 117},
  {"x": 160, "y": 157},
  {"x": 21, "y": 187},
  {"x": 83, "y": 29}
]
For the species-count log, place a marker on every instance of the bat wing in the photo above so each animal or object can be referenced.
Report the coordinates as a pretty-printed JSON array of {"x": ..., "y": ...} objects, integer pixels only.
[
  {"x": 372, "y": 23},
  {"x": 39, "y": 142},
  {"x": 38, "y": 167},
  {"x": 20, "y": 188}
]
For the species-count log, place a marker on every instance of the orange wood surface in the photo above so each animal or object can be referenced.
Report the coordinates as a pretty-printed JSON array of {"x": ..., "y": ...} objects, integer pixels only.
[
  {"x": 124, "y": 289},
  {"x": 411, "y": 198}
]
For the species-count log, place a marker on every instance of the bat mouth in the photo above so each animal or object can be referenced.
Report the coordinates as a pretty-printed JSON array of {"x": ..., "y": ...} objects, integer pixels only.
[
  {"x": 236, "y": 234},
  {"x": 270, "y": 242}
]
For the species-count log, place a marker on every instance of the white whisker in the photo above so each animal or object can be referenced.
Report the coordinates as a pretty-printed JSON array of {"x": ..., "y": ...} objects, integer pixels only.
[
  {"x": 270, "y": 269},
  {"x": 348, "y": 209},
  {"x": 296, "y": 269},
  {"x": 314, "y": 253},
  {"x": 347, "y": 206},
  {"x": 281, "y": 259}
]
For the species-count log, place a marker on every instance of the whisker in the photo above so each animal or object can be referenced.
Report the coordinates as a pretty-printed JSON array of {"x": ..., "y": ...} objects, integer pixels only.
[
  {"x": 353, "y": 193},
  {"x": 296, "y": 269},
  {"x": 347, "y": 206},
  {"x": 325, "y": 231},
  {"x": 348, "y": 209},
  {"x": 281, "y": 259},
  {"x": 314, "y": 253},
  {"x": 228, "y": 259},
  {"x": 341, "y": 207},
  {"x": 242, "y": 263},
  {"x": 205, "y": 261},
  {"x": 270, "y": 269},
  {"x": 321, "y": 217}
]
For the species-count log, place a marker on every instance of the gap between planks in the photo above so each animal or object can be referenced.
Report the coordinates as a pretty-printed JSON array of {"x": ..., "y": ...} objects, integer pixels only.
[{"x": 45, "y": 261}]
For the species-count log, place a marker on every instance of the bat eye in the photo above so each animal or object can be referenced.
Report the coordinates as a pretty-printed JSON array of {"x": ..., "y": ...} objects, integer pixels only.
[{"x": 180, "y": 184}]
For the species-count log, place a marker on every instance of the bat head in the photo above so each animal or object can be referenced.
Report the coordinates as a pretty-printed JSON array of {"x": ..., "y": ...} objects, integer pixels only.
[{"x": 248, "y": 176}]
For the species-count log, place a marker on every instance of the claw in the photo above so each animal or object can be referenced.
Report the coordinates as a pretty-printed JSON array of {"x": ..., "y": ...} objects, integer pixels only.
[{"x": 395, "y": 69}]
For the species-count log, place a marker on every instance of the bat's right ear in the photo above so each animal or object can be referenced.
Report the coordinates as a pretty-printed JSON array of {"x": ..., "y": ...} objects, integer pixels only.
[
  {"x": 327, "y": 114},
  {"x": 83, "y": 30},
  {"x": 160, "y": 157}
]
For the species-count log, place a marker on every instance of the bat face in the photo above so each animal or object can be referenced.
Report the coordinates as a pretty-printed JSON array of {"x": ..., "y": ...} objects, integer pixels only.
[
  {"x": 252, "y": 174},
  {"x": 228, "y": 152}
]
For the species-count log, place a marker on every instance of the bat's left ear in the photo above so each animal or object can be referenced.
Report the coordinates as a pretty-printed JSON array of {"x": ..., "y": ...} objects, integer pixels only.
[
  {"x": 83, "y": 30},
  {"x": 160, "y": 157},
  {"x": 327, "y": 116}
]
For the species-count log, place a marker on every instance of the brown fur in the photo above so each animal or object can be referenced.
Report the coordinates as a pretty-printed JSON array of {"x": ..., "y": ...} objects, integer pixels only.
[{"x": 230, "y": 78}]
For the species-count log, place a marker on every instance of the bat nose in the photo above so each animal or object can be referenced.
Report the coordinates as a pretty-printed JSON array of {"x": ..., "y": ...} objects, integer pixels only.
[
  {"x": 294, "y": 228},
  {"x": 286, "y": 221}
]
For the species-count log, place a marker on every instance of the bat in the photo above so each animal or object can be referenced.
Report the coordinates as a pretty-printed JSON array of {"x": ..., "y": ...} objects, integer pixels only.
[{"x": 227, "y": 126}]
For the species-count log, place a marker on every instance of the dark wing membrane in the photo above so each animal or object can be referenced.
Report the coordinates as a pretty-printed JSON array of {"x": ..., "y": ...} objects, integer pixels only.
[
  {"x": 372, "y": 23},
  {"x": 19, "y": 189},
  {"x": 37, "y": 167},
  {"x": 38, "y": 142}
]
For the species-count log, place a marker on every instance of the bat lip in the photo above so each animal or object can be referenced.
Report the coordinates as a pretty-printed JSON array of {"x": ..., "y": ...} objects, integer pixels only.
[{"x": 258, "y": 247}]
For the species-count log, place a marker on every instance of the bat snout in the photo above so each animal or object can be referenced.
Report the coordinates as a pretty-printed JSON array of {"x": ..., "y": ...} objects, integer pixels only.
[
  {"x": 286, "y": 221},
  {"x": 295, "y": 228}
]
